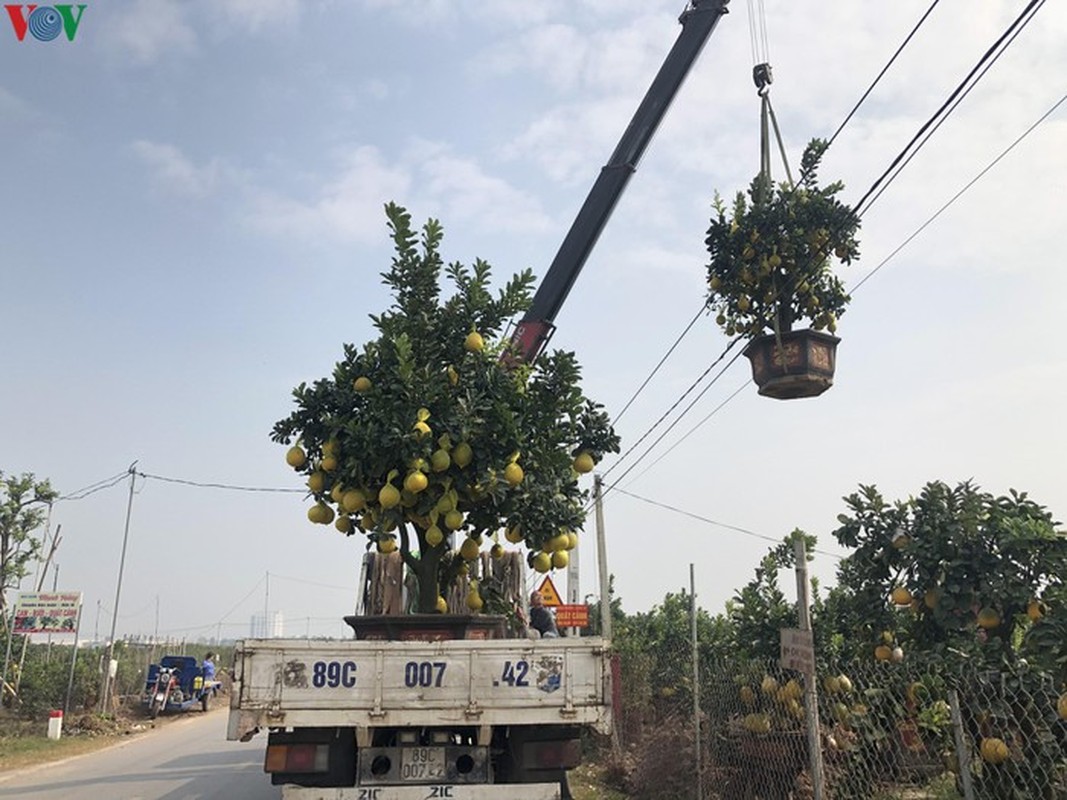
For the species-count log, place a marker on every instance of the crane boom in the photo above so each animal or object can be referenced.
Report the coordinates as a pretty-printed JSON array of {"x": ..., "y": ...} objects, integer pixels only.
[{"x": 698, "y": 20}]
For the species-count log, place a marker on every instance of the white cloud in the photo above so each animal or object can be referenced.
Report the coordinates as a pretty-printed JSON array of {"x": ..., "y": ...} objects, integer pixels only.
[
  {"x": 347, "y": 208},
  {"x": 149, "y": 28},
  {"x": 177, "y": 172},
  {"x": 254, "y": 15},
  {"x": 427, "y": 174},
  {"x": 13, "y": 107},
  {"x": 470, "y": 194}
]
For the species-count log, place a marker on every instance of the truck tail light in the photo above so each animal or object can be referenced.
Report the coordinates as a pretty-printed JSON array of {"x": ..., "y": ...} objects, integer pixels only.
[
  {"x": 560, "y": 754},
  {"x": 303, "y": 757}
]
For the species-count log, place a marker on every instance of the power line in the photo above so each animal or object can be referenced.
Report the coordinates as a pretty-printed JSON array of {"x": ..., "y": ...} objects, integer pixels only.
[
  {"x": 960, "y": 193},
  {"x": 228, "y": 486},
  {"x": 948, "y": 113},
  {"x": 709, "y": 521},
  {"x": 92, "y": 488},
  {"x": 676, "y": 421},
  {"x": 685, "y": 394},
  {"x": 759, "y": 42},
  {"x": 943, "y": 110},
  {"x": 885, "y": 69},
  {"x": 314, "y": 583},
  {"x": 662, "y": 361},
  {"x": 696, "y": 427}
]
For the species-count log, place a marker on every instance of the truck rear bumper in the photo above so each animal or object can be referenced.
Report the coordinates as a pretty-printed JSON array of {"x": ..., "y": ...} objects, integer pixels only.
[{"x": 512, "y": 791}]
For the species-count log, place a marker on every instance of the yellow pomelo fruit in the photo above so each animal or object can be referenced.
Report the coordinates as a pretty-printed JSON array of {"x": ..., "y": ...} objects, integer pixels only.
[
  {"x": 469, "y": 549},
  {"x": 337, "y": 493},
  {"x": 442, "y": 605},
  {"x": 386, "y": 545},
  {"x": 883, "y": 652},
  {"x": 362, "y": 384},
  {"x": 474, "y": 600},
  {"x": 988, "y": 618},
  {"x": 560, "y": 559},
  {"x": 542, "y": 562},
  {"x": 462, "y": 454},
  {"x": 440, "y": 460},
  {"x": 1035, "y": 610},
  {"x": 434, "y": 536},
  {"x": 295, "y": 457},
  {"x": 321, "y": 513},
  {"x": 353, "y": 500},
  {"x": 415, "y": 482},
  {"x": 317, "y": 481},
  {"x": 901, "y": 596},
  {"x": 583, "y": 462},
  {"x": 388, "y": 496},
  {"x": 1061, "y": 706},
  {"x": 454, "y": 520},
  {"x": 513, "y": 474},
  {"x": 497, "y": 551},
  {"x": 513, "y": 534},
  {"x": 422, "y": 430},
  {"x": 768, "y": 685},
  {"x": 343, "y": 524},
  {"x": 572, "y": 540},
  {"x": 474, "y": 342},
  {"x": 329, "y": 463},
  {"x": 994, "y": 750}
]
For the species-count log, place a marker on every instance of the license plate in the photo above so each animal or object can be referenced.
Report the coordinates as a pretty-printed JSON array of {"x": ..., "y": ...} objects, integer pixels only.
[{"x": 422, "y": 763}]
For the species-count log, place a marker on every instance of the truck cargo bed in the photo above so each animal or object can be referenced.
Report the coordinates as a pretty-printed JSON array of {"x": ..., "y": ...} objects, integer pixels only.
[{"x": 294, "y": 683}]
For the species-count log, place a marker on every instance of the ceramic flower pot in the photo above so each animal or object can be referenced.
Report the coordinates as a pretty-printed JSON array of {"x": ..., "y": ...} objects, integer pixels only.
[{"x": 797, "y": 364}]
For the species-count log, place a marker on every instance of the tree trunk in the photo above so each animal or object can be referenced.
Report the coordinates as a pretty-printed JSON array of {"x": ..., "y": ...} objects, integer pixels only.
[{"x": 425, "y": 569}]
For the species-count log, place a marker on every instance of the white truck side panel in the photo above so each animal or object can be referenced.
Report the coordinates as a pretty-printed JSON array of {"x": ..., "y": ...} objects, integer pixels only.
[
  {"x": 522, "y": 791},
  {"x": 300, "y": 683}
]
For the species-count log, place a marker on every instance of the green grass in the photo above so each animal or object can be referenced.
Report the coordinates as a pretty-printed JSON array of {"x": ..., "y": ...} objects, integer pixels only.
[
  {"x": 17, "y": 752},
  {"x": 585, "y": 784}
]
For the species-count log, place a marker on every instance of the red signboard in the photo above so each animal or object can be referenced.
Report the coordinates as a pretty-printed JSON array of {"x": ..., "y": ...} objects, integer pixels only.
[{"x": 573, "y": 616}]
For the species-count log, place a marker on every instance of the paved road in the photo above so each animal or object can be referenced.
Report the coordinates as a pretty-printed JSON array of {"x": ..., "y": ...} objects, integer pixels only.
[{"x": 186, "y": 759}]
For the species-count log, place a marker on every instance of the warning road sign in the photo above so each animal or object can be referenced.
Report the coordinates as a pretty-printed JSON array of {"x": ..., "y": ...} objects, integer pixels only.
[{"x": 549, "y": 593}]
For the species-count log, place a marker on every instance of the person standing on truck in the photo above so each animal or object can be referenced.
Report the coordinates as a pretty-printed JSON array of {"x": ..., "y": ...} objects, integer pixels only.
[{"x": 541, "y": 619}]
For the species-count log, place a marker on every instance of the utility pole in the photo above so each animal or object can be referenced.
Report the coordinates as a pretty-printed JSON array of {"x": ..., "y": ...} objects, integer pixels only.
[
  {"x": 602, "y": 559},
  {"x": 811, "y": 692},
  {"x": 696, "y": 678},
  {"x": 266, "y": 605},
  {"x": 106, "y": 693}
]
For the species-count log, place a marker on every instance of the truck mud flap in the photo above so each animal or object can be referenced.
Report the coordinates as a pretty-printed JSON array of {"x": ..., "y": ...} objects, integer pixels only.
[{"x": 514, "y": 791}]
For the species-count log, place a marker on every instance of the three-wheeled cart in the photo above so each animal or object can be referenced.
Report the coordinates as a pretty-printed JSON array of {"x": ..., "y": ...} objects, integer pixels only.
[{"x": 176, "y": 683}]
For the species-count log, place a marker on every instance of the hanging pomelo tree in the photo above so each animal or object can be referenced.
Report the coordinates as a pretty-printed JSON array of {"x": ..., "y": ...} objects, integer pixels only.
[{"x": 433, "y": 436}]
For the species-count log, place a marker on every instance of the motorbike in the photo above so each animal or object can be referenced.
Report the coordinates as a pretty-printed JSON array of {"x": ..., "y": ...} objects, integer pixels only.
[
  {"x": 176, "y": 683},
  {"x": 165, "y": 689}
]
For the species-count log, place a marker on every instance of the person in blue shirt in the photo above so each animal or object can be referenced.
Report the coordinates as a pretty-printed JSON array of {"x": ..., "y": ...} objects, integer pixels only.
[{"x": 209, "y": 667}]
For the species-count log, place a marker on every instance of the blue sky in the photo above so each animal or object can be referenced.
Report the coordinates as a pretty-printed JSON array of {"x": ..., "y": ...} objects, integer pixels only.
[{"x": 192, "y": 205}]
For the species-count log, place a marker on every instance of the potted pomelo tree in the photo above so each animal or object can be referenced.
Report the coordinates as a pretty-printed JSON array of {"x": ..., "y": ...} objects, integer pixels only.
[
  {"x": 431, "y": 440},
  {"x": 770, "y": 270}
]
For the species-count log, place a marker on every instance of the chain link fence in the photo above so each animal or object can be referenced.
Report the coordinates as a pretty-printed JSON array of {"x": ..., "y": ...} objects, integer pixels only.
[{"x": 886, "y": 731}]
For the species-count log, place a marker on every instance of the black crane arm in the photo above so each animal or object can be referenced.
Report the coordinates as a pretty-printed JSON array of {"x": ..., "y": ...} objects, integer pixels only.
[{"x": 698, "y": 21}]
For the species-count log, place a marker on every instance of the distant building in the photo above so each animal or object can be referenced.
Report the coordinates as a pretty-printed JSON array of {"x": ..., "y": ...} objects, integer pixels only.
[{"x": 268, "y": 627}]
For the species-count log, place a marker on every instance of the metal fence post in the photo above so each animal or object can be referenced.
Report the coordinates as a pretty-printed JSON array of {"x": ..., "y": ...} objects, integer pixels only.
[{"x": 963, "y": 753}]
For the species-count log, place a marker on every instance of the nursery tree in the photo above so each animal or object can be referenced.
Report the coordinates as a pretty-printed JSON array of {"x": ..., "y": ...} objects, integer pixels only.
[{"x": 436, "y": 429}]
